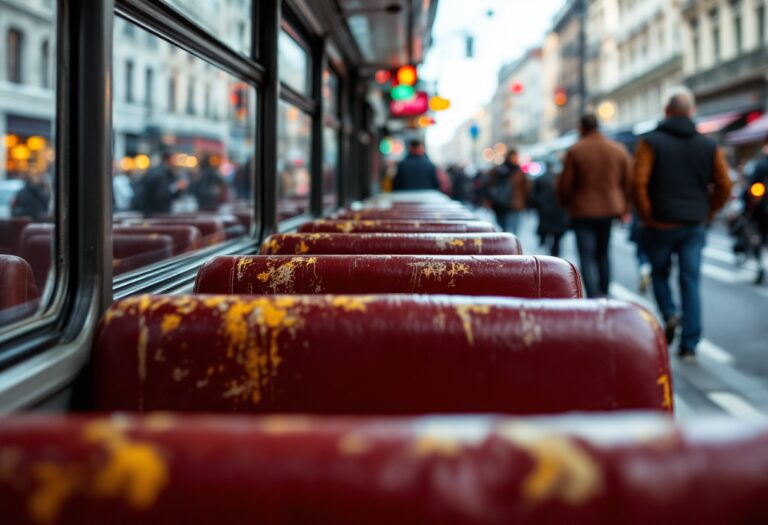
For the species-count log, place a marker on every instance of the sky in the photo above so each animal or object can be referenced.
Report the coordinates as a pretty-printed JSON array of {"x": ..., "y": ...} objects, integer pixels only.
[{"x": 515, "y": 26}]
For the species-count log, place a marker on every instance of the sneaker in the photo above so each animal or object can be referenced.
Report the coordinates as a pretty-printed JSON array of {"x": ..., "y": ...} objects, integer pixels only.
[
  {"x": 671, "y": 324},
  {"x": 686, "y": 354}
]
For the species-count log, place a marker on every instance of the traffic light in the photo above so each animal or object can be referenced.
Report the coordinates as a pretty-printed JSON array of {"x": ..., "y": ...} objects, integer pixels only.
[
  {"x": 561, "y": 97},
  {"x": 406, "y": 75},
  {"x": 239, "y": 99},
  {"x": 402, "y": 92}
]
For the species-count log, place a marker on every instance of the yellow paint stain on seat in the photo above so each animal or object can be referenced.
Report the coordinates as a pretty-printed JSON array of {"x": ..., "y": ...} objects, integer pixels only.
[
  {"x": 132, "y": 471},
  {"x": 55, "y": 485},
  {"x": 279, "y": 425},
  {"x": 562, "y": 470},
  {"x": 464, "y": 312},
  {"x": 350, "y": 303},
  {"x": 431, "y": 445},
  {"x": 353, "y": 444},
  {"x": 170, "y": 323},
  {"x": 302, "y": 247},
  {"x": 666, "y": 386}
]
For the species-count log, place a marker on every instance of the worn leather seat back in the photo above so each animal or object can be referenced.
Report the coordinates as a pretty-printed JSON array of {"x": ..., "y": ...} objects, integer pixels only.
[
  {"x": 395, "y": 354},
  {"x": 392, "y": 244},
  {"x": 212, "y": 230},
  {"x": 159, "y": 469},
  {"x": 395, "y": 226},
  {"x": 19, "y": 294},
  {"x": 134, "y": 251},
  {"x": 36, "y": 249},
  {"x": 528, "y": 276},
  {"x": 233, "y": 225},
  {"x": 185, "y": 238},
  {"x": 411, "y": 214},
  {"x": 10, "y": 231}
]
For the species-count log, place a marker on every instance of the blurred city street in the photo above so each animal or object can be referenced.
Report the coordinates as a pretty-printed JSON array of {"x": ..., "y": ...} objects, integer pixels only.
[{"x": 731, "y": 371}]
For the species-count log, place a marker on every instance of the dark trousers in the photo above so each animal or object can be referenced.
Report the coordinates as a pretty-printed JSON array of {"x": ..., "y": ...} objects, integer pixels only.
[
  {"x": 687, "y": 244},
  {"x": 593, "y": 237},
  {"x": 552, "y": 241}
]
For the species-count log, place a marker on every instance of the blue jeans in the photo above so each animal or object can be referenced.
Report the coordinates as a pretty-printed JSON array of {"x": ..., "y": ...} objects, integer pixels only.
[
  {"x": 508, "y": 220},
  {"x": 687, "y": 243},
  {"x": 593, "y": 238}
]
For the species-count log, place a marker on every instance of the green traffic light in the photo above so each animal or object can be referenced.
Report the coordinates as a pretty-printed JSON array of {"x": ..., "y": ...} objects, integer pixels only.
[{"x": 402, "y": 92}]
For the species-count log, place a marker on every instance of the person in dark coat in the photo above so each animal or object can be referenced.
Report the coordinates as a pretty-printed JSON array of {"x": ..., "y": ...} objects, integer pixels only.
[
  {"x": 159, "y": 187},
  {"x": 210, "y": 189},
  {"x": 33, "y": 199},
  {"x": 553, "y": 221},
  {"x": 507, "y": 192},
  {"x": 416, "y": 171},
  {"x": 680, "y": 181}
]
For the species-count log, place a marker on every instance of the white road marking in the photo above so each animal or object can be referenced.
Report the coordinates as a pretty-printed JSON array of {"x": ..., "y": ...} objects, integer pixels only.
[
  {"x": 706, "y": 347},
  {"x": 736, "y": 406}
]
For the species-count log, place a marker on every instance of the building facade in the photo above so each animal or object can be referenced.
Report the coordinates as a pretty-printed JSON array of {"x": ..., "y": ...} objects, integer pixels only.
[
  {"x": 568, "y": 25},
  {"x": 725, "y": 62}
]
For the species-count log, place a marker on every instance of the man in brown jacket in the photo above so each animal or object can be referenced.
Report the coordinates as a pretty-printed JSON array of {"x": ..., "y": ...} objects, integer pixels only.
[
  {"x": 594, "y": 187},
  {"x": 680, "y": 181}
]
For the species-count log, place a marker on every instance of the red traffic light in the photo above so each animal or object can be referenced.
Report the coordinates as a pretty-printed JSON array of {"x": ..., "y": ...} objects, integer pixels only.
[
  {"x": 561, "y": 97},
  {"x": 383, "y": 76},
  {"x": 517, "y": 88}
]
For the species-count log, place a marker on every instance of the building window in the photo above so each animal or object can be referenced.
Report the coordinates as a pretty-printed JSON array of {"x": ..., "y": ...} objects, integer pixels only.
[
  {"x": 191, "y": 98},
  {"x": 172, "y": 95},
  {"x": 207, "y": 102},
  {"x": 715, "y": 20},
  {"x": 149, "y": 85},
  {"x": 45, "y": 65},
  {"x": 737, "y": 25},
  {"x": 15, "y": 47},
  {"x": 129, "y": 81},
  {"x": 760, "y": 24},
  {"x": 695, "y": 43}
]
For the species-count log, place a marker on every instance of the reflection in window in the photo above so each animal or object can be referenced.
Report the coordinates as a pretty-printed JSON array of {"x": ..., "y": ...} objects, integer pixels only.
[
  {"x": 330, "y": 92},
  {"x": 228, "y": 20},
  {"x": 182, "y": 180},
  {"x": 330, "y": 167},
  {"x": 27, "y": 118},
  {"x": 293, "y": 154},
  {"x": 14, "y": 58},
  {"x": 293, "y": 63}
]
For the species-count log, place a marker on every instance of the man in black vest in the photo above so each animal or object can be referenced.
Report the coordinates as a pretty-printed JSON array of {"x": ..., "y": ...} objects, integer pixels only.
[{"x": 681, "y": 180}]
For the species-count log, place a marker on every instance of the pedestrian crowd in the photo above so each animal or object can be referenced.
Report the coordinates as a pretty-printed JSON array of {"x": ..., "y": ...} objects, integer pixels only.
[{"x": 667, "y": 193}]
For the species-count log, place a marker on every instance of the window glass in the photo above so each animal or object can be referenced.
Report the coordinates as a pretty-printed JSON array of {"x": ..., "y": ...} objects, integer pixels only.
[
  {"x": 27, "y": 119},
  {"x": 293, "y": 154},
  {"x": 183, "y": 170},
  {"x": 293, "y": 63},
  {"x": 227, "y": 20},
  {"x": 330, "y": 93},
  {"x": 330, "y": 167}
]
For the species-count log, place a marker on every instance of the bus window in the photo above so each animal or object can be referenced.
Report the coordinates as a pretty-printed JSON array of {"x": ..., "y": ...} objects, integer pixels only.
[
  {"x": 229, "y": 21},
  {"x": 293, "y": 154},
  {"x": 27, "y": 176},
  {"x": 293, "y": 63},
  {"x": 183, "y": 152},
  {"x": 331, "y": 129}
]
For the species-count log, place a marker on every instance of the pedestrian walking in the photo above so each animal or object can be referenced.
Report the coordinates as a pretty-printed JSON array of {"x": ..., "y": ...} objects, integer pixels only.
[
  {"x": 416, "y": 171},
  {"x": 156, "y": 191},
  {"x": 756, "y": 213},
  {"x": 507, "y": 192},
  {"x": 553, "y": 221},
  {"x": 594, "y": 188},
  {"x": 680, "y": 181}
]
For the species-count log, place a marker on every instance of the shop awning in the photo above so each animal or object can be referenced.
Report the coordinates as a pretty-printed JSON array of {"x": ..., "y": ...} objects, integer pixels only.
[
  {"x": 716, "y": 123},
  {"x": 755, "y": 131}
]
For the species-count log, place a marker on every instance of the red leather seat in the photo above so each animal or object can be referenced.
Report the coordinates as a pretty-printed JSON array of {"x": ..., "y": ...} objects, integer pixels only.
[
  {"x": 32, "y": 229},
  {"x": 19, "y": 295},
  {"x": 135, "y": 251},
  {"x": 396, "y": 226},
  {"x": 392, "y": 244},
  {"x": 508, "y": 275},
  {"x": 427, "y": 215},
  {"x": 185, "y": 238},
  {"x": 36, "y": 249},
  {"x": 233, "y": 226},
  {"x": 129, "y": 251},
  {"x": 212, "y": 230},
  {"x": 10, "y": 231},
  {"x": 394, "y": 354},
  {"x": 294, "y": 470}
]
